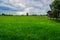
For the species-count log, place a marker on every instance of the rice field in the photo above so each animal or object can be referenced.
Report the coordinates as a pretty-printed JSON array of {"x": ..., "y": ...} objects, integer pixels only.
[{"x": 28, "y": 28}]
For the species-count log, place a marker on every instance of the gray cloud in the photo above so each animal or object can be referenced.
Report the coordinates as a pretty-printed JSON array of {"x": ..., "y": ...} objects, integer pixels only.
[{"x": 23, "y": 6}]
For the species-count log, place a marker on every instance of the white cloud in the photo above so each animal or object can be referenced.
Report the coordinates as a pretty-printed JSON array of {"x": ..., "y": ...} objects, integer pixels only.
[
  {"x": 20, "y": 13},
  {"x": 26, "y": 10},
  {"x": 31, "y": 11},
  {"x": 21, "y": 5}
]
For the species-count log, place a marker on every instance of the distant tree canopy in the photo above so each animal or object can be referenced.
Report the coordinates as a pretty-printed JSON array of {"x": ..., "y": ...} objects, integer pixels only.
[
  {"x": 27, "y": 14},
  {"x": 55, "y": 9},
  {"x": 3, "y": 14},
  {"x": 55, "y": 6}
]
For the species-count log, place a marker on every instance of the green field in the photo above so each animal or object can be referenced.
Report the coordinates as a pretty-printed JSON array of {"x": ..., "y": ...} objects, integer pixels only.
[{"x": 28, "y": 28}]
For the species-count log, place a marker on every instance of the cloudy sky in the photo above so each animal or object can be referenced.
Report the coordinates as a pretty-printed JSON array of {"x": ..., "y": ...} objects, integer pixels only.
[{"x": 21, "y": 7}]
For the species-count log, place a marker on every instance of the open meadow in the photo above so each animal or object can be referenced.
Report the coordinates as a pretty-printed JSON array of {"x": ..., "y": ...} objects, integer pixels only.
[{"x": 28, "y": 28}]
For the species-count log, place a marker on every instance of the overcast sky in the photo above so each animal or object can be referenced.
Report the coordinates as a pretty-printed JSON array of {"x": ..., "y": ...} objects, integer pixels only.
[{"x": 21, "y": 7}]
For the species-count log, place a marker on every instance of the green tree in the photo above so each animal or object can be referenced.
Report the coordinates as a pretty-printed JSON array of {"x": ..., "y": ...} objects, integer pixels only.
[
  {"x": 55, "y": 8},
  {"x": 3, "y": 14},
  {"x": 27, "y": 14}
]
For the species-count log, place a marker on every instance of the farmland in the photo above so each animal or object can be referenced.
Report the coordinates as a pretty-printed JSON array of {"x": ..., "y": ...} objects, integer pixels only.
[{"x": 28, "y": 28}]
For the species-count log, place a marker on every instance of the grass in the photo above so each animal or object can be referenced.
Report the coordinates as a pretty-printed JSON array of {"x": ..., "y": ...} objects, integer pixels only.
[{"x": 28, "y": 28}]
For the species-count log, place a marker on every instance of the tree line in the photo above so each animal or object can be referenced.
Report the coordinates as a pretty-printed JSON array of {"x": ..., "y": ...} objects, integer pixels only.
[{"x": 27, "y": 14}]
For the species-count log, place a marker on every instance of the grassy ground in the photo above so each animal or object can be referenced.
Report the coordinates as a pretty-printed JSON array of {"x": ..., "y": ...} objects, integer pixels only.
[{"x": 28, "y": 28}]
